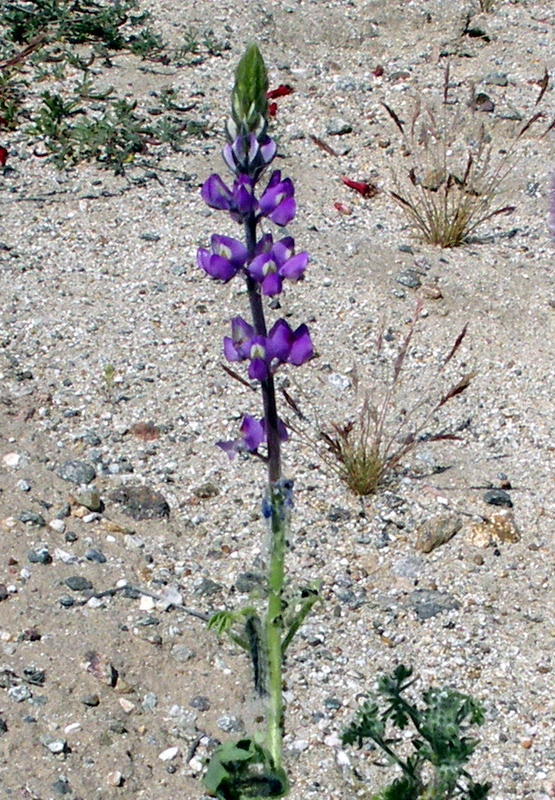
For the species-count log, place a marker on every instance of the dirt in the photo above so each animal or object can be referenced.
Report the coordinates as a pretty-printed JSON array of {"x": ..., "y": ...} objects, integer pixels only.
[{"x": 111, "y": 356}]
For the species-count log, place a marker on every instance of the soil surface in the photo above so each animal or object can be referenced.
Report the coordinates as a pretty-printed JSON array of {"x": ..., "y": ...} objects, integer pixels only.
[{"x": 111, "y": 380}]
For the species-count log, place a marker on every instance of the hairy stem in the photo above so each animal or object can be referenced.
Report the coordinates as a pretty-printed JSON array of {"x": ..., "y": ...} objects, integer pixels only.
[{"x": 279, "y": 524}]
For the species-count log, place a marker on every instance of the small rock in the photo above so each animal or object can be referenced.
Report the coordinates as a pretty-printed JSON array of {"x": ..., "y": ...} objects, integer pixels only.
[
  {"x": 436, "y": 531},
  {"x": 126, "y": 705},
  {"x": 99, "y": 666},
  {"x": 92, "y": 554},
  {"x": 150, "y": 701},
  {"x": 147, "y": 603},
  {"x": 57, "y": 525},
  {"x": 170, "y": 598},
  {"x": 57, "y": 746},
  {"x": 4, "y": 594},
  {"x": 500, "y": 527},
  {"x": 114, "y": 778},
  {"x": 181, "y": 652},
  {"x": 206, "y": 490},
  {"x": 40, "y": 555},
  {"x": 207, "y": 587},
  {"x": 11, "y": 459},
  {"x": 23, "y": 486},
  {"x": 338, "y": 127},
  {"x": 231, "y": 724},
  {"x": 89, "y": 497},
  {"x": 141, "y": 502},
  {"x": 497, "y": 497},
  {"x": 201, "y": 702},
  {"x": 247, "y": 581},
  {"x": 61, "y": 786},
  {"x": 338, "y": 514},
  {"x": 169, "y": 754},
  {"x": 20, "y": 693},
  {"x": 428, "y": 603},
  {"x": 91, "y": 700},
  {"x": 29, "y": 517},
  {"x": 79, "y": 472},
  {"x": 496, "y": 79},
  {"x": 78, "y": 583},
  {"x": 408, "y": 278}
]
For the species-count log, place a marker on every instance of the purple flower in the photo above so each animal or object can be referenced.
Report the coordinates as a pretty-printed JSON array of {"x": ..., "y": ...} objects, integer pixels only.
[
  {"x": 246, "y": 155},
  {"x": 253, "y": 435},
  {"x": 227, "y": 257},
  {"x": 276, "y": 262},
  {"x": 239, "y": 202},
  {"x": 277, "y": 201},
  {"x": 266, "y": 353}
]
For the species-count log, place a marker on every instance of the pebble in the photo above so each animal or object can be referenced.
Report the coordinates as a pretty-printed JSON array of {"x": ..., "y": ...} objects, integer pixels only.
[
  {"x": 428, "y": 603},
  {"x": 89, "y": 497},
  {"x": 408, "y": 278},
  {"x": 497, "y": 497},
  {"x": 201, "y": 702},
  {"x": 338, "y": 127},
  {"x": 150, "y": 701},
  {"x": 206, "y": 490},
  {"x": 78, "y": 583},
  {"x": 79, "y": 472},
  {"x": 20, "y": 693},
  {"x": 141, "y": 502},
  {"x": 23, "y": 486},
  {"x": 99, "y": 666},
  {"x": 436, "y": 531},
  {"x": 181, "y": 652},
  {"x": 29, "y": 517},
  {"x": 114, "y": 778},
  {"x": 40, "y": 555},
  {"x": 11, "y": 459},
  {"x": 169, "y": 754},
  {"x": 91, "y": 700},
  {"x": 57, "y": 525},
  {"x": 231, "y": 724},
  {"x": 93, "y": 554}
]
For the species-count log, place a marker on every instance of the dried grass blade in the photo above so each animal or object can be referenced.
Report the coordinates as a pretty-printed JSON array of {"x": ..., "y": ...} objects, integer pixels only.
[
  {"x": 457, "y": 344},
  {"x": 322, "y": 145},
  {"x": 401, "y": 355},
  {"x": 237, "y": 377},
  {"x": 446, "y": 83},
  {"x": 402, "y": 200},
  {"x": 292, "y": 404},
  {"x": 394, "y": 117},
  {"x": 529, "y": 124},
  {"x": 544, "y": 83},
  {"x": 549, "y": 128},
  {"x": 458, "y": 388}
]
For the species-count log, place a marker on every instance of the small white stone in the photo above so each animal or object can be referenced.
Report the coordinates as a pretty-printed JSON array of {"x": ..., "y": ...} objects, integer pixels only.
[
  {"x": 91, "y": 517},
  {"x": 11, "y": 459},
  {"x": 57, "y": 525},
  {"x": 72, "y": 727},
  {"x": 96, "y": 602},
  {"x": 127, "y": 706},
  {"x": 63, "y": 555},
  {"x": 168, "y": 754},
  {"x": 147, "y": 603},
  {"x": 196, "y": 765},
  {"x": 114, "y": 778},
  {"x": 299, "y": 745}
]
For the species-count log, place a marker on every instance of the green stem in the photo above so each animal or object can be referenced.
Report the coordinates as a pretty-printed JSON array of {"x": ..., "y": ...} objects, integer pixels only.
[{"x": 274, "y": 623}]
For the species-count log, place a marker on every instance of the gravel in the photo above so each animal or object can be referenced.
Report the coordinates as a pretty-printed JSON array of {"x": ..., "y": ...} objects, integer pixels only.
[{"x": 100, "y": 270}]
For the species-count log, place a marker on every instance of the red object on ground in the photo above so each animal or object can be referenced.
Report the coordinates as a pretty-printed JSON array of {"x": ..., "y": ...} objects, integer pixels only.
[
  {"x": 282, "y": 90},
  {"x": 342, "y": 208},
  {"x": 272, "y": 108},
  {"x": 3, "y": 156},
  {"x": 362, "y": 187}
]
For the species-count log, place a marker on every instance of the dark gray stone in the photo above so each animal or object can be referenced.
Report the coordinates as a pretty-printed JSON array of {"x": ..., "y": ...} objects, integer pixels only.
[
  {"x": 40, "y": 555},
  {"x": 200, "y": 702},
  {"x": 428, "y": 603},
  {"x": 247, "y": 581},
  {"x": 497, "y": 497},
  {"x": 409, "y": 278},
  {"x": 207, "y": 587},
  {"x": 78, "y": 472},
  {"x": 31, "y": 518},
  {"x": 338, "y": 514},
  {"x": 92, "y": 554},
  {"x": 141, "y": 502},
  {"x": 78, "y": 583}
]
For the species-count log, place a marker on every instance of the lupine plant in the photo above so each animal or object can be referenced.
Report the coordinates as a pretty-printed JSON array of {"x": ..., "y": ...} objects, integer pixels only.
[{"x": 252, "y": 766}]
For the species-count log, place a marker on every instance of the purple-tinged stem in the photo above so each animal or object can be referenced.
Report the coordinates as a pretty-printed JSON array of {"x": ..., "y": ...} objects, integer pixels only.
[{"x": 268, "y": 386}]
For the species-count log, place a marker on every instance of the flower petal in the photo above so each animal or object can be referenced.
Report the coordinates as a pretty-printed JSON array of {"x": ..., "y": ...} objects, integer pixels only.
[
  {"x": 229, "y": 447},
  {"x": 271, "y": 284},
  {"x": 280, "y": 341},
  {"x": 215, "y": 193},
  {"x": 301, "y": 349},
  {"x": 258, "y": 370},
  {"x": 216, "y": 266},
  {"x": 284, "y": 212},
  {"x": 295, "y": 266},
  {"x": 253, "y": 433},
  {"x": 231, "y": 352}
]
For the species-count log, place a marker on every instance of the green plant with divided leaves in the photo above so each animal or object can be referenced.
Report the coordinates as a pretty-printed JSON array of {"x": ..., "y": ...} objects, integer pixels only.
[{"x": 440, "y": 745}]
